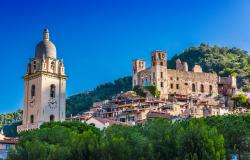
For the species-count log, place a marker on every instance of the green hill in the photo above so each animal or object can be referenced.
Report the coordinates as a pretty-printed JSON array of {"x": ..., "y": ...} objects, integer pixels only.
[
  {"x": 221, "y": 60},
  {"x": 83, "y": 101}
]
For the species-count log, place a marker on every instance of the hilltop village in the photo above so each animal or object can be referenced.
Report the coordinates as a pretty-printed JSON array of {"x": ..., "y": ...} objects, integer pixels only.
[{"x": 167, "y": 93}]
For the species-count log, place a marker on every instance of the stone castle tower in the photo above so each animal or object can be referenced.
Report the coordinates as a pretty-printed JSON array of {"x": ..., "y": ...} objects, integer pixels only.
[
  {"x": 44, "y": 87},
  {"x": 159, "y": 71}
]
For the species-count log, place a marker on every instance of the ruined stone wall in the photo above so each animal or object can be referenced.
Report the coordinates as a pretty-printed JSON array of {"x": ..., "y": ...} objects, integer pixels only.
[{"x": 180, "y": 82}]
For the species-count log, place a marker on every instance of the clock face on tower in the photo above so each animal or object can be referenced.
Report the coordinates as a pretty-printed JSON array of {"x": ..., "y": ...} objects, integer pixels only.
[{"x": 52, "y": 103}]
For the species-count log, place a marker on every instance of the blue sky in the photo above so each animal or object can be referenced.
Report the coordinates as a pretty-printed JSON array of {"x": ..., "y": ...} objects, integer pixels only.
[{"x": 99, "y": 39}]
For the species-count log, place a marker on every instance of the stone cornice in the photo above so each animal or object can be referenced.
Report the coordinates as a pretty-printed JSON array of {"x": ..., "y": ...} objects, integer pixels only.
[{"x": 41, "y": 73}]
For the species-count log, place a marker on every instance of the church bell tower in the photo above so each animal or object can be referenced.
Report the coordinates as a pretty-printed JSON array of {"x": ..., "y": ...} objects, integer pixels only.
[{"x": 44, "y": 87}]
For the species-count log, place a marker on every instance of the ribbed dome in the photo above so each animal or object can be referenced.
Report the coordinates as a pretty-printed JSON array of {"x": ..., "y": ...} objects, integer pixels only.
[{"x": 45, "y": 47}]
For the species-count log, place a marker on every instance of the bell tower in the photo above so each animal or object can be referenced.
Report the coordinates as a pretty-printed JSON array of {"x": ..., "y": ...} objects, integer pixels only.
[{"x": 44, "y": 87}]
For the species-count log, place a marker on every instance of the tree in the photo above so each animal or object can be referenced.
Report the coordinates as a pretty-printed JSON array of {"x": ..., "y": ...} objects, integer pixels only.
[
  {"x": 198, "y": 141},
  {"x": 235, "y": 130},
  {"x": 139, "y": 91},
  {"x": 240, "y": 100},
  {"x": 153, "y": 90}
]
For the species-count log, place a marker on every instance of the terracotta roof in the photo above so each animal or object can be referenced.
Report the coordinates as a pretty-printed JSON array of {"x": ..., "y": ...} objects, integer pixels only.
[
  {"x": 77, "y": 118},
  {"x": 9, "y": 141},
  {"x": 105, "y": 120}
]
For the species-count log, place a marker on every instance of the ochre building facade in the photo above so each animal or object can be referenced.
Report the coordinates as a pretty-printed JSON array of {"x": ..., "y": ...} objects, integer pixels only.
[{"x": 180, "y": 81}]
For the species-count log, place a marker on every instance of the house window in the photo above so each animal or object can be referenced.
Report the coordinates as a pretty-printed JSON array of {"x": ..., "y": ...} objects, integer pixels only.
[
  {"x": 202, "y": 88},
  {"x": 52, "y": 91},
  {"x": 32, "y": 118},
  {"x": 177, "y": 86},
  {"x": 193, "y": 88},
  {"x": 171, "y": 86},
  {"x": 33, "y": 90},
  {"x": 161, "y": 74},
  {"x": 210, "y": 89},
  {"x": 51, "y": 118},
  {"x": 162, "y": 85}
]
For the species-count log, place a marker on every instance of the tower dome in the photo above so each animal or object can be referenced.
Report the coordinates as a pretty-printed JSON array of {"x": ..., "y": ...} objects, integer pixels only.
[{"x": 45, "y": 47}]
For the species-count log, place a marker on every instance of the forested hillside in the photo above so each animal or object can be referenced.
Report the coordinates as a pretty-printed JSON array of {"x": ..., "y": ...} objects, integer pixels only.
[
  {"x": 83, "y": 101},
  {"x": 221, "y": 60}
]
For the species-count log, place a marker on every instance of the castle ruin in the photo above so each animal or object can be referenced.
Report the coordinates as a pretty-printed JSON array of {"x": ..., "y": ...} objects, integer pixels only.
[{"x": 180, "y": 81}]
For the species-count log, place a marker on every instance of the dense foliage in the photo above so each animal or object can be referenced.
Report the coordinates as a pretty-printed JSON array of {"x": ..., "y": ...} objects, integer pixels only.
[
  {"x": 221, "y": 60},
  {"x": 10, "y": 130},
  {"x": 241, "y": 100},
  {"x": 210, "y": 138},
  {"x": 10, "y": 118},
  {"x": 139, "y": 91},
  {"x": 82, "y": 102},
  {"x": 9, "y": 122}
]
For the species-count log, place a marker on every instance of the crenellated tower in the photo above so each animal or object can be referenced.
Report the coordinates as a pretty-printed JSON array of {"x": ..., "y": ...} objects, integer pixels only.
[
  {"x": 138, "y": 65},
  {"x": 159, "y": 71}
]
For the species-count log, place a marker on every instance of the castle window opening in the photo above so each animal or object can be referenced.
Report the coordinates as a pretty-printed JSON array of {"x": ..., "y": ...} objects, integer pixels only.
[
  {"x": 177, "y": 78},
  {"x": 33, "y": 90},
  {"x": 210, "y": 88},
  {"x": 162, "y": 85},
  {"x": 202, "y": 88},
  {"x": 34, "y": 65},
  {"x": 161, "y": 63},
  {"x": 193, "y": 88},
  {"x": 171, "y": 86},
  {"x": 161, "y": 74},
  {"x": 177, "y": 86}
]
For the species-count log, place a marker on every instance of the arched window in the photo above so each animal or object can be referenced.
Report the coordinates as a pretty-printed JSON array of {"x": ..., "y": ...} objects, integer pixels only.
[
  {"x": 193, "y": 88},
  {"x": 202, "y": 88},
  {"x": 32, "y": 118},
  {"x": 51, "y": 118},
  {"x": 52, "y": 91},
  {"x": 210, "y": 89},
  {"x": 33, "y": 90},
  {"x": 52, "y": 65}
]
